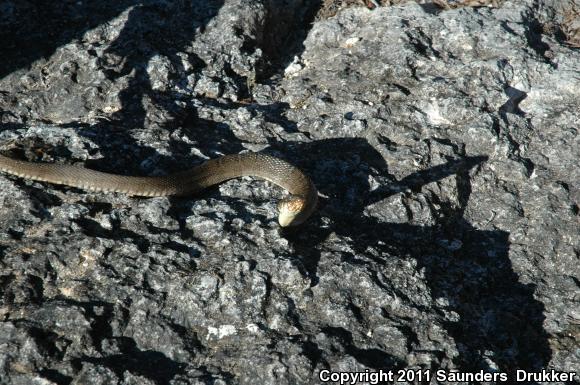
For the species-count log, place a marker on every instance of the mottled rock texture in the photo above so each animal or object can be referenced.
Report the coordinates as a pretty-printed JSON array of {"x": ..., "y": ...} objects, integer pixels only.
[{"x": 444, "y": 143}]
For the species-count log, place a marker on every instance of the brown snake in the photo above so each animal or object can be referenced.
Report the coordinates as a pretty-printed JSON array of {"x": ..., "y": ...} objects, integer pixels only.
[{"x": 292, "y": 210}]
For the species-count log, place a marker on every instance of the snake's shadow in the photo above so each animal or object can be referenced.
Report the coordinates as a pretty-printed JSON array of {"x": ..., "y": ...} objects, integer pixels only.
[{"x": 499, "y": 319}]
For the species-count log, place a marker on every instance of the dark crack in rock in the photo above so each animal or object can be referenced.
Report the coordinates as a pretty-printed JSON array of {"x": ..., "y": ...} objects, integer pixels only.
[{"x": 444, "y": 143}]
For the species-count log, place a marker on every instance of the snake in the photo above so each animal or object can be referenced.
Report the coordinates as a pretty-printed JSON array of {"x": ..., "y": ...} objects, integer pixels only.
[{"x": 292, "y": 210}]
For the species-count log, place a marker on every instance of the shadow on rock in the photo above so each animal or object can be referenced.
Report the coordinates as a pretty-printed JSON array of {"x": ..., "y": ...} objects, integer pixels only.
[
  {"x": 163, "y": 29},
  {"x": 150, "y": 364},
  {"x": 500, "y": 323},
  {"x": 31, "y": 30}
]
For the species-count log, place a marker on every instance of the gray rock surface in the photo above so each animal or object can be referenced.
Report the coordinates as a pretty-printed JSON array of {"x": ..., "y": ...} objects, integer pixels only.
[{"x": 444, "y": 143}]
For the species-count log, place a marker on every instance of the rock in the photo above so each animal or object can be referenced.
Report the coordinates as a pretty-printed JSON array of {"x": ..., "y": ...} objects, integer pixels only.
[{"x": 443, "y": 142}]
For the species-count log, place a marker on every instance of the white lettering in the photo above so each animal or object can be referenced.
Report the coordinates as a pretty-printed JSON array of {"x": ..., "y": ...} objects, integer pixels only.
[
  {"x": 441, "y": 375},
  {"x": 521, "y": 375},
  {"x": 344, "y": 377},
  {"x": 544, "y": 376}
]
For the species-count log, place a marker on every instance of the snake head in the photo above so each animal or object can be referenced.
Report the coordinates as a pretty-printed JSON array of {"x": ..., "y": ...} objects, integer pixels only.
[{"x": 292, "y": 211}]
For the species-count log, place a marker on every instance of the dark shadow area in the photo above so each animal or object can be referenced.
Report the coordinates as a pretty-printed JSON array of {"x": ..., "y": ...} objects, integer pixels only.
[
  {"x": 155, "y": 28},
  {"x": 122, "y": 353},
  {"x": 534, "y": 32},
  {"x": 150, "y": 364},
  {"x": 284, "y": 33},
  {"x": 55, "y": 376},
  {"x": 499, "y": 318},
  {"x": 34, "y": 29},
  {"x": 93, "y": 228},
  {"x": 512, "y": 105},
  {"x": 372, "y": 358},
  {"x": 431, "y": 8},
  {"x": 21, "y": 290}
]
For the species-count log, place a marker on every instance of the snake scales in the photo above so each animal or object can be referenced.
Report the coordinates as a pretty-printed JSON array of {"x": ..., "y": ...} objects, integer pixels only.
[{"x": 292, "y": 210}]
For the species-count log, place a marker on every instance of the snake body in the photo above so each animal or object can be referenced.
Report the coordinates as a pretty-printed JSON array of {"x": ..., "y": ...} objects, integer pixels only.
[{"x": 292, "y": 210}]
